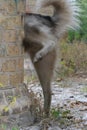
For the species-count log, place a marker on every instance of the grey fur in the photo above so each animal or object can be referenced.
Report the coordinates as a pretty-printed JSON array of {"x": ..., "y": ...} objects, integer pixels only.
[
  {"x": 48, "y": 30},
  {"x": 41, "y": 34}
]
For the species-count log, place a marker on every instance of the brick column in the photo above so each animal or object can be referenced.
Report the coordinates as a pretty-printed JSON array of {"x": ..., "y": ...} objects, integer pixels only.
[{"x": 13, "y": 97}]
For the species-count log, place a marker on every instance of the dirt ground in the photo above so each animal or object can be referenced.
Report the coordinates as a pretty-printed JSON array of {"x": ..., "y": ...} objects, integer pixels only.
[
  {"x": 69, "y": 101},
  {"x": 68, "y": 107}
]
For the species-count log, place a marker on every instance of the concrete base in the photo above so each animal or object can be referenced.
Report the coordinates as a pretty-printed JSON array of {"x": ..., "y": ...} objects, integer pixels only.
[{"x": 14, "y": 100}]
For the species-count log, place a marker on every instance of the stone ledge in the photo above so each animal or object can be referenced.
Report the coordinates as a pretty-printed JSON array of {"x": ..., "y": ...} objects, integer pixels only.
[{"x": 14, "y": 101}]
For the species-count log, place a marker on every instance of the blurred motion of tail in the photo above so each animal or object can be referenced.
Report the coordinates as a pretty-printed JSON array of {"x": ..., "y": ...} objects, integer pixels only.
[{"x": 65, "y": 14}]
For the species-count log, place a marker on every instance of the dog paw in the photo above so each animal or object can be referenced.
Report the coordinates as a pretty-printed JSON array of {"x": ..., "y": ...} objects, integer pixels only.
[{"x": 37, "y": 57}]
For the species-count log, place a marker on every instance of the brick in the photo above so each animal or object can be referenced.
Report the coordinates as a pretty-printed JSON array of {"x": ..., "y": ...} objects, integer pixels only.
[
  {"x": 11, "y": 7},
  {"x": 2, "y": 50},
  {"x": 16, "y": 79},
  {"x": 9, "y": 36},
  {"x": 21, "y": 6},
  {"x": 13, "y": 50},
  {"x": 12, "y": 22},
  {"x": 11, "y": 55},
  {"x": 7, "y": 7},
  {"x": 0, "y": 36},
  {"x": 2, "y": 20},
  {"x": 22, "y": 51},
  {"x": 1, "y": 62},
  {"x": 3, "y": 7},
  {"x": 4, "y": 79},
  {"x": 9, "y": 66},
  {"x": 1, "y": 98},
  {"x": 20, "y": 64},
  {"x": 20, "y": 35}
]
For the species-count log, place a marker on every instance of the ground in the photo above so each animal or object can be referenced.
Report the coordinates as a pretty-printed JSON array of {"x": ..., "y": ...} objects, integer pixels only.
[
  {"x": 69, "y": 103},
  {"x": 68, "y": 108}
]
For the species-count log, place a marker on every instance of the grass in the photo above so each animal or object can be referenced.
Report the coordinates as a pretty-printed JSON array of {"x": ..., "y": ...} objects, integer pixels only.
[
  {"x": 84, "y": 89},
  {"x": 4, "y": 127},
  {"x": 59, "y": 113},
  {"x": 73, "y": 58},
  {"x": 61, "y": 116}
]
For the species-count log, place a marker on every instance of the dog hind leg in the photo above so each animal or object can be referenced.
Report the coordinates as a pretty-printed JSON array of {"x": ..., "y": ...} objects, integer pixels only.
[
  {"x": 44, "y": 69},
  {"x": 49, "y": 47}
]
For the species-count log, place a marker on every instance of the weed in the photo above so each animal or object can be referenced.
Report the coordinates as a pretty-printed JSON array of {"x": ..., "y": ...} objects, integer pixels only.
[
  {"x": 59, "y": 113},
  {"x": 84, "y": 89},
  {"x": 15, "y": 128},
  {"x": 73, "y": 58},
  {"x": 4, "y": 127},
  {"x": 55, "y": 113}
]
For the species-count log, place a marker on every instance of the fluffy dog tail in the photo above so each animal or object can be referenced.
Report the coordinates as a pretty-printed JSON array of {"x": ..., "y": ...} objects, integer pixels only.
[{"x": 65, "y": 13}]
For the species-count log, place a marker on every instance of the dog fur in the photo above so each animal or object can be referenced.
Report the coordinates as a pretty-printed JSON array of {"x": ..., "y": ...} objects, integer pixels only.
[{"x": 42, "y": 33}]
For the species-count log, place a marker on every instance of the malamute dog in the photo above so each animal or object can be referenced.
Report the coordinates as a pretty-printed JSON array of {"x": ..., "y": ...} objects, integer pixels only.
[{"x": 42, "y": 34}]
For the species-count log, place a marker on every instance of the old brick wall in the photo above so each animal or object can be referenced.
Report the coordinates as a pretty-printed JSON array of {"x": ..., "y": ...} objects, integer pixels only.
[
  {"x": 11, "y": 53},
  {"x": 46, "y": 11},
  {"x": 12, "y": 88},
  {"x": 11, "y": 58}
]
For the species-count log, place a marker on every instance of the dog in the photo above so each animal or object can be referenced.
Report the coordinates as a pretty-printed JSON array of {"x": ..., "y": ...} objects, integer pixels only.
[{"x": 41, "y": 36}]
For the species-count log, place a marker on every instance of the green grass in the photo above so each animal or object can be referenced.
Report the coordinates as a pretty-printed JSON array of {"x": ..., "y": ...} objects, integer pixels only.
[
  {"x": 84, "y": 89},
  {"x": 58, "y": 113},
  {"x": 73, "y": 58},
  {"x": 4, "y": 127}
]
